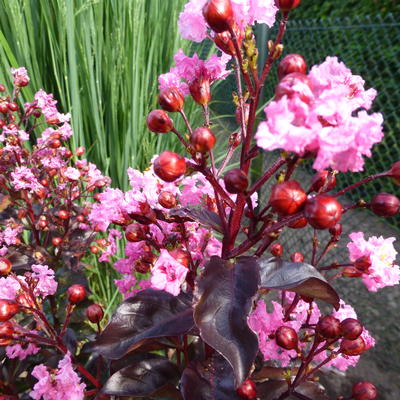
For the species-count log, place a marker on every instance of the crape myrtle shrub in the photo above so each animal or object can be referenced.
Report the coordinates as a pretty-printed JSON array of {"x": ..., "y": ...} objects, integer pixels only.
[{"x": 215, "y": 307}]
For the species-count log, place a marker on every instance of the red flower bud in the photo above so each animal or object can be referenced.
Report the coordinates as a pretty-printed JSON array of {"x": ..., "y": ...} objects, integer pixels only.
[
  {"x": 76, "y": 293},
  {"x": 171, "y": 99},
  {"x": 63, "y": 214},
  {"x": 236, "y": 181},
  {"x": 287, "y": 5},
  {"x": 395, "y": 172},
  {"x": 202, "y": 139},
  {"x": 2, "y": 88},
  {"x": 287, "y": 197},
  {"x": 37, "y": 113},
  {"x": 292, "y": 63},
  {"x": 385, "y": 205},
  {"x": 169, "y": 166},
  {"x": 297, "y": 257},
  {"x": 167, "y": 199},
  {"x": 80, "y": 151},
  {"x": 218, "y": 15},
  {"x": 56, "y": 241},
  {"x": 351, "y": 329},
  {"x": 352, "y": 347},
  {"x": 224, "y": 41},
  {"x": 158, "y": 121},
  {"x": 362, "y": 264},
  {"x": 6, "y": 330},
  {"x": 55, "y": 143},
  {"x": 181, "y": 256},
  {"x": 200, "y": 90},
  {"x": 323, "y": 211},
  {"x": 3, "y": 107},
  {"x": 136, "y": 232},
  {"x": 142, "y": 267},
  {"x": 12, "y": 106},
  {"x": 336, "y": 230},
  {"x": 5, "y": 266},
  {"x": 95, "y": 313},
  {"x": 94, "y": 249},
  {"x": 8, "y": 308},
  {"x": 320, "y": 179},
  {"x": 247, "y": 390},
  {"x": 292, "y": 84},
  {"x": 286, "y": 337},
  {"x": 298, "y": 224},
  {"x": 276, "y": 250},
  {"x": 328, "y": 327},
  {"x": 364, "y": 391}
]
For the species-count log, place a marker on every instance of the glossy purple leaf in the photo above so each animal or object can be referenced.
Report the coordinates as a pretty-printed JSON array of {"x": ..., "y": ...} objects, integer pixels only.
[
  {"x": 297, "y": 277},
  {"x": 272, "y": 389},
  {"x": 203, "y": 216},
  {"x": 223, "y": 299},
  {"x": 147, "y": 315}
]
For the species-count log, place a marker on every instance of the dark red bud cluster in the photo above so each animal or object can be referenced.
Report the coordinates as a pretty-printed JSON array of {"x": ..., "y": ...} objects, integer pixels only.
[
  {"x": 169, "y": 166},
  {"x": 276, "y": 250},
  {"x": 385, "y": 205},
  {"x": 364, "y": 391},
  {"x": 353, "y": 347},
  {"x": 236, "y": 181},
  {"x": 218, "y": 15},
  {"x": 224, "y": 41},
  {"x": 323, "y": 212},
  {"x": 292, "y": 63},
  {"x": 286, "y": 337},
  {"x": 158, "y": 121},
  {"x": 247, "y": 390},
  {"x": 287, "y": 198},
  {"x": 171, "y": 99},
  {"x": 328, "y": 327},
  {"x": 76, "y": 293},
  {"x": 200, "y": 90},
  {"x": 95, "y": 313},
  {"x": 336, "y": 231},
  {"x": 167, "y": 199},
  {"x": 351, "y": 328},
  {"x": 202, "y": 139}
]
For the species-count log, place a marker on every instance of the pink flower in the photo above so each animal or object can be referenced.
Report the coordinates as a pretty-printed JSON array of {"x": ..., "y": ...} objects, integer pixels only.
[
  {"x": 21, "y": 352},
  {"x": 44, "y": 388},
  {"x": 46, "y": 283},
  {"x": 72, "y": 173},
  {"x": 10, "y": 235},
  {"x": 48, "y": 106},
  {"x": 322, "y": 118},
  {"x": 382, "y": 272},
  {"x": 20, "y": 75},
  {"x": 126, "y": 285},
  {"x": 23, "y": 178},
  {"x": 192, "y": 25},
  {"x": 112, "y": 247},
  {"x": 9, "y": 288},
  {"x": 168, "y": 274}
]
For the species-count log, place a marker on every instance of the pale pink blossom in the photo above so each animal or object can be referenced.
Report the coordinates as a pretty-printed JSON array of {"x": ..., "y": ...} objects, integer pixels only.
[
  {"x": 24, "y": 178},
  {"x": 9, "y": 288},
  {"x": 20, "y": 76},
  {"x": 72, "y": 173},
  {"x": 48, "y": 105},
  {"x": 10, "y": 235},
  {"x": 168, "y": 274},
  {"x": 45, "y": 277},
  {"x": 44, "y": 388},
  {"x": 383, "y": 270},
  {"x": 21, "y": 352}
]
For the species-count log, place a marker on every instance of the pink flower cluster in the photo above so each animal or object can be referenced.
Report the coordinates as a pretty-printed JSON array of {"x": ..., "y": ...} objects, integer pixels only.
[
  {"x": 22, "y": 351},
  {"x": 383, "y": 271},
  {"x": 48, "y": 105},
  {"x": 192, "y": 25},
  {"x": 65, "y": 384},
  {"x": 20, "y": 76},
  {"x": 191, "y": 68},
  {"x": 318, "y": 115}
]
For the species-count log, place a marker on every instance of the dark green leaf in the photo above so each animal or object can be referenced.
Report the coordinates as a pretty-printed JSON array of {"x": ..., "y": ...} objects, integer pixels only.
[
  {"x": 149, "y": 314},
  {"x": 211, "y": 379},
  {"x": 223, "y": 297},
  {"x": 152, "y": 377},
  {"x": 297, "y": 277}
]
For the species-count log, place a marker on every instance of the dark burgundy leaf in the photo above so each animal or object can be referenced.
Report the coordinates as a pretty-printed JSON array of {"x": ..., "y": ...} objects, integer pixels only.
[
  {"x": 272, "y": 389},
  {"x": 223, "y": 299},
  {"x": 149, "y": 314},
  {"x": 211, "y": 379},
  {"x": 20, "y": 260},
  {"x": 149, "y": 377},
  {"x": 297, "y": 277},
  {"x": 203, "y": 216}
]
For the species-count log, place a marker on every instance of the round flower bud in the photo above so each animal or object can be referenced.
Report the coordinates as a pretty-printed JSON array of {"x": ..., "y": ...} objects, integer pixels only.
[
  {"x": 181, "y": 256},
  {"x": 247, "y": 390},
  {"x": 336, "y": 230},
  {"x": 56, "y": 241},
  {"x": 171, "y": 99},
  {"x": 286, "y": 337},
  {"x": 236, "y": 181},
  {"x": 136, "y": 232},
  {"x": 63, "y": 214},
  {"x": 320, "y": 179},
  {"x": 287, "y": 5},
  {"x": 6, "y": 330},
  {"x": 328, "y": 327},
  {"x": 200, "y": 90},
  {"x": 323, "y": 212},
  {"x": 297, "y": 257},
  {"x": 350, "y": 328},
  {"x": 80, "y": 151},
  {"x": 169, "y": 166},
  {"x": 395, "y": 172},
  {"x": 12, "y": 106},
  {"x": 76, "y": 293},
  {"x": 276, "y": 250},
  {"x": 95, "y": 313},
  {"x": 298, "y": 224},
  {"x": 295, "y": 84},
  {"x": 167, "y": 199},
  {"x": 3, "y": 107},
  {"x": 202, "y": 139},
  {"x": 385, "y": 205},
  {"x": 158, "y": 121},
  {"x": 292, "y": 63},
  {"x": 287, "y": 198},
  {"x": 55, "y": 143},
  {"x": 352, "y": 347},
  {"x": 5, "y": 266},
  {"x": 218, "y": 14},
  {"x": 8, "y": 308},
  {"x": 224, "y": 41},
  {"x": 2, "y": 88},
  {"x": 364, "y": 391},
  {"x": 362, "y": 264}
]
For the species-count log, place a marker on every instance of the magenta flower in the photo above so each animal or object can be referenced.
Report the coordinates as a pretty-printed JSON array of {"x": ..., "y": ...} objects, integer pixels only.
[
  {"x": 72, "y": 174},
  {"x": 126, "y": 285},
  {"x": 383, "y": 271},
  {"x": 168, "y": 274},
  {"x": 20, "y": 75},
  {"x": 44, "y": 388},
  {"x": 48, "y": 105},
  {"x": 9, "y": 288},
  {"x": 46, "y": 283},
  {"x": 21, "y": 352},
  {"x": 24, "y": 178}
]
